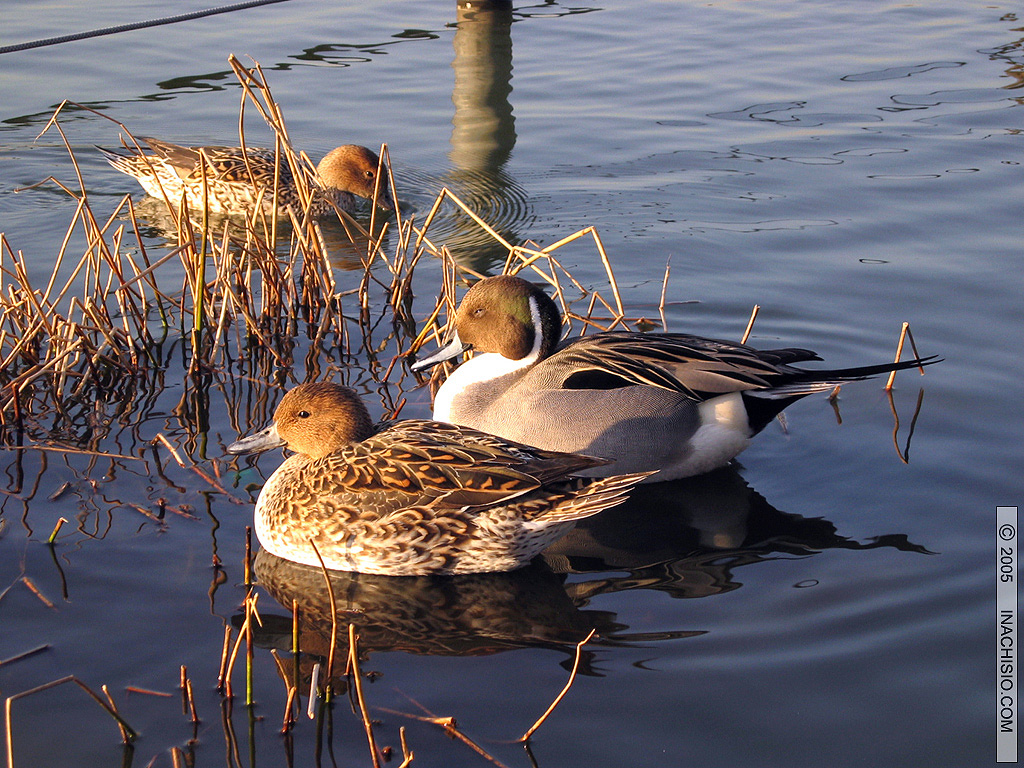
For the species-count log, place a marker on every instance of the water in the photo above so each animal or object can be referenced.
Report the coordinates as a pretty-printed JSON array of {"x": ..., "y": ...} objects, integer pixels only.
[{"x": 847, "y": 166}]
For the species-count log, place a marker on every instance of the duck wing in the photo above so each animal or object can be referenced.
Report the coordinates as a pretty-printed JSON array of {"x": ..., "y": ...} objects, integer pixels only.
[
  {"x": 694, "y": 366},
  {"x": 231, "y": 164},
  {"x": 418, "y": 462},
  {"x": 701, "y": 368}
]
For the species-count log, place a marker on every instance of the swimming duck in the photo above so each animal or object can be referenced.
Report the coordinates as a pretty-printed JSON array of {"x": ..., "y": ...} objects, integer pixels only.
[
  {"x": 413, "y": 497},
  {"x": 672, "y": 402},
  {"x": 235, "y": 178}
]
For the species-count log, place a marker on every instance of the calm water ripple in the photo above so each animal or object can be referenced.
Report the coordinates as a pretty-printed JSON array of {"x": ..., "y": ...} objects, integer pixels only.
[{"x": 820, "y": 603}]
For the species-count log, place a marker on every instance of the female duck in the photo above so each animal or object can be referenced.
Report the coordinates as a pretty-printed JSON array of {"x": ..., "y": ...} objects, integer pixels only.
[
  {"x": 414, "y": 497},
  {"x": 663, "y": 401},
  {"x": 236, "y": 179}
]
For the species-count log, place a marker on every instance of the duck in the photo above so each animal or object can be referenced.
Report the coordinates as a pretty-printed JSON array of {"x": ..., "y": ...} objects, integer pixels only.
[
  {"x": 676, "y": 403},
  {"x": 412, "y": 497},
  {"x": 237, "y": 178}
]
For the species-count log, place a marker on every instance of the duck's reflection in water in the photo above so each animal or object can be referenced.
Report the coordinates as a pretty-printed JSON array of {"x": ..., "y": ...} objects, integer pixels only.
[
  {"x": 468, "y": 615},
  {"x": 684, "y": 538}
]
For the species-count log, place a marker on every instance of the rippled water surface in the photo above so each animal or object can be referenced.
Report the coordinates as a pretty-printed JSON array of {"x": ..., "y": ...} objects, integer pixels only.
[{"x": 847, "y": 166}]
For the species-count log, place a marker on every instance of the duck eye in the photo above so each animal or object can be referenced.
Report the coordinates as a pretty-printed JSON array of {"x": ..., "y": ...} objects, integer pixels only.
[{"x": 304, "y": 414}]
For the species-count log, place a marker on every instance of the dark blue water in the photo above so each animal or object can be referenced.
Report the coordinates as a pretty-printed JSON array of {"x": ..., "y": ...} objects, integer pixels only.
[{"x": 847, "y": 166}]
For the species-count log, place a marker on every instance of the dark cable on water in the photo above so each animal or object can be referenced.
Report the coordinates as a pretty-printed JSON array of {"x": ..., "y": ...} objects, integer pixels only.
[{"x": 134, "y": 25}]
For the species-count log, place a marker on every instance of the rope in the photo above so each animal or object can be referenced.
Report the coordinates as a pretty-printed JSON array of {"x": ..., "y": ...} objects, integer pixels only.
[{"x": 135, "y": 25}]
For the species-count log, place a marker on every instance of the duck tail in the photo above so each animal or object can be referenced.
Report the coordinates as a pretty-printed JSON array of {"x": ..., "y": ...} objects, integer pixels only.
[
  {"x": 763, "y": 405},
  {"x": 866, "y": 371},
  {"x": 110, "y": 154},
  {"x": 127, "y": 161},
  {"x": 114, "y": 157},
  {"x": 587, "y": 496},
  {"x": 804, "y": 382}
]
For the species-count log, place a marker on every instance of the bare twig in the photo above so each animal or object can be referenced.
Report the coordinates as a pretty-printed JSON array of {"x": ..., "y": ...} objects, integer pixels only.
[
  {"x": 353, "y": 660},
  {"x": 750, "y": 324},
  {"x": 128, "y": 733},
  {"x": 24, "y": 654},
  {"x": 904, "y": 333},
  {"x": 572, "y": 677}
]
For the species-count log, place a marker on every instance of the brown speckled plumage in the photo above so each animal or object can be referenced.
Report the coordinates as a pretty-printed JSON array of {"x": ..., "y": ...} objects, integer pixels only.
[{"x": 414, "y": 497}]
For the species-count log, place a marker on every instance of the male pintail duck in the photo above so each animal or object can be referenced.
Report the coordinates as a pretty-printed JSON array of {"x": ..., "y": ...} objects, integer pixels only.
[
  {"x": 236, "y": 178},
  {"x": 671, "y": 402},
  {"x": 414, "y": 497}
]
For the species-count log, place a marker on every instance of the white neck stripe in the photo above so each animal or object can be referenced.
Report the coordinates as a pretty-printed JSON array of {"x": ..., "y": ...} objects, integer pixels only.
[{"x": 538, "y": 333}]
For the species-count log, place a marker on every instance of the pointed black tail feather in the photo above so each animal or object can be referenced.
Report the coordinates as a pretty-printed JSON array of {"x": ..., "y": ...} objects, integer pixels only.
[
  {"x": 800, "y": 381},
  {"x": 763, "y": 405},
  {"x": 838, "y": 375}
]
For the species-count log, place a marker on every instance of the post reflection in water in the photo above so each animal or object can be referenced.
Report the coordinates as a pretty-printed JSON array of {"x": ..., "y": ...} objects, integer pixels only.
[
  {"x": 483, "y": 133},
  {"x": 483, "y": 129}
]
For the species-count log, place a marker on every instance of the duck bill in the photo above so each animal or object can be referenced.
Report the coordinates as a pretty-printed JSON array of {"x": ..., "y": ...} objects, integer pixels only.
[
  {"x": 384, "y": 199},
  {"x": 453, "y": 348},
  {"x": 258, "y": 443}
]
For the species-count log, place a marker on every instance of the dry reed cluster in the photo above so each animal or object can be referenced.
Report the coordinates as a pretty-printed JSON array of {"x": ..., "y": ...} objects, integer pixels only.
[{"x": 238, "y": 296}]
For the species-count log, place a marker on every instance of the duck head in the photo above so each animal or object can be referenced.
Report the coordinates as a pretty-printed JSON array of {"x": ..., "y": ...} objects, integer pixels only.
[
  {"x": 313, "y": 419},
  {"x": 353, "y": 169},
  {"x": 503, "y": 314}
]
